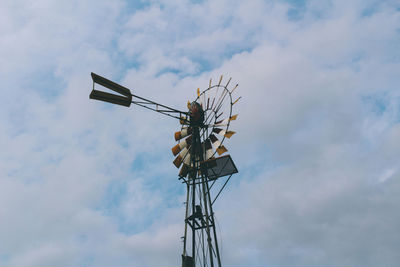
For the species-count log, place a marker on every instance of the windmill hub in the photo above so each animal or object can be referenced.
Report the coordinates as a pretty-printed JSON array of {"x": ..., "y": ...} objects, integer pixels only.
[{"x": 196, "y": 113}]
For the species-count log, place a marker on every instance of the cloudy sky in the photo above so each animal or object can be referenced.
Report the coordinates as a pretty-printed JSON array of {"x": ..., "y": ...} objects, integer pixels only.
[{"x": 85, "y": 183}]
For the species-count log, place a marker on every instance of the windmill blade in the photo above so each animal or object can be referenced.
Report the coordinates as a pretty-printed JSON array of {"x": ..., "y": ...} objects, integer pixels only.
[
  {"x": 234, "y": 117},
  {"x": 187, "y": 159},
  {"x": 222, "y": 132},
  {"x": 217, "y": 144},
  {"x": 229, "y": 134},
  {"x": 200, "y": 99},
  {"x": 182, "y": 157},
  {"x": 184, "y": 170},
  {"x": 214, "y": 140},
  {"x": 212, "y": 104},
  {"x": 221, "y": 150},
  {"x": 216, "y": 92},
  {"x": 236, "y": 100},
  {"x": 181, "y": 145},
  {"x": 234, "y": 88},
  {"x": 177, "y": 161},
  {"x": 221, "y": 123},
  {"x": 228, "y": 82},
  {"x": 181, "y": 134},
  {"x": 207, "y": 148},
  {"x": 225, "y": 121},
  {"x": 204, "y": 100},
  {"x": 184, "y": 120}
]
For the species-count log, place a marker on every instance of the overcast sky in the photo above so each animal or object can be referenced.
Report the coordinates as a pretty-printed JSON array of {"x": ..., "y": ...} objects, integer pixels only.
[{"x": 86, "y": 183}]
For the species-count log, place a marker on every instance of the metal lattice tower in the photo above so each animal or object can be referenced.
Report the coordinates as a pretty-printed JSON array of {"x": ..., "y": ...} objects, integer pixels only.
[{"x": 203, "y": 172}]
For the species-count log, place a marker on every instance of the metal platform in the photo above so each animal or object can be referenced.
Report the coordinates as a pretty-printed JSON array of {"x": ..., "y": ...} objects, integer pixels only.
[{"x": 218, "y": 167}]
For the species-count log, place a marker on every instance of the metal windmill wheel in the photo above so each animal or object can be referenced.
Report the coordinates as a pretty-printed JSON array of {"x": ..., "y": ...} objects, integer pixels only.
[{"x": 212, "y": 113}]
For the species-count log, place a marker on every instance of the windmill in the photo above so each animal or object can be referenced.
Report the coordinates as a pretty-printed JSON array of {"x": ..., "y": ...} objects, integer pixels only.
[{"x": 199, "y": 155}]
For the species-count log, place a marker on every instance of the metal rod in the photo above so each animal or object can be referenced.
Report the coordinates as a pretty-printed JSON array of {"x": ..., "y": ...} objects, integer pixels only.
[
  {"x": 176, "y": 117},
  {"x": 213, "y": 222},
  {"x": 192, "y": 174},
  {"x": 186, "y": 215},
  {"x": 212, "y": 184},
  {"x": 227, "y": 180},
  {"x": 161, "y": 105}
]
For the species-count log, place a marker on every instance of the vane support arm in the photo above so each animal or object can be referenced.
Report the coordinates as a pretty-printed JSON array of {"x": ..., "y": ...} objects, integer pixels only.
[
  {"x": 126, "y": 98},
  {"x": 160, "y": 108}
]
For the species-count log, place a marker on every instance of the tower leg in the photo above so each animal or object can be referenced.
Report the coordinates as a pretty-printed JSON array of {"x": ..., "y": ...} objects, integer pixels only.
[
  {"x": 213, "y": 223},
  {"x": 193, "y": 174},
  {"x": 185, "y": 233},
  {"x": 205, "y": 200}
]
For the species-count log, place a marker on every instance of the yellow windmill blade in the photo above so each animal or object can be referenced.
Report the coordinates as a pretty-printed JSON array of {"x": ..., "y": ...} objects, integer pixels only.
[
  {"x": 225, "y": 133},
  {"x": 234, "y": 117},
  {"x": 221, "y": 150},
  {"x": 236, "y": 100},
  {"x": 234, "y": 88},
  {"x": 220, "y": 80}
]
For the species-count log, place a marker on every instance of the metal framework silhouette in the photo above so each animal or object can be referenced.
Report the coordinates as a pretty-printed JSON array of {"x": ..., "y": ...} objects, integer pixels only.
[{"x": 198, "y": 155}]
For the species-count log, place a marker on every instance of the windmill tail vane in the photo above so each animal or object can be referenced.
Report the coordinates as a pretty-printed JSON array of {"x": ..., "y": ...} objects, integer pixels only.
[{"x": 198, "y": 155}]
